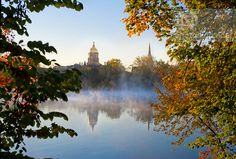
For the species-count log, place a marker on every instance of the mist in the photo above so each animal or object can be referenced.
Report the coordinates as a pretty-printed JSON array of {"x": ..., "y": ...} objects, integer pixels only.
[{"x": 111, "y": 103}]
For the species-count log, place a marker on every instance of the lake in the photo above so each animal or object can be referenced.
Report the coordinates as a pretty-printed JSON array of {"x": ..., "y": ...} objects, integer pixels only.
[{"x": 110, "y": 125}]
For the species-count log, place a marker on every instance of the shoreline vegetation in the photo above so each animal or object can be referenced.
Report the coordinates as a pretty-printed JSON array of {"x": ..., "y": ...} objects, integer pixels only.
[
  {"x": 200, "y": 90},
  {"x": 144, "y": 73}
]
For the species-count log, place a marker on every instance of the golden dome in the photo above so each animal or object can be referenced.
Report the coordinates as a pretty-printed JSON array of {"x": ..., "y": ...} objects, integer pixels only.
[{"x": 93, "y": 49}]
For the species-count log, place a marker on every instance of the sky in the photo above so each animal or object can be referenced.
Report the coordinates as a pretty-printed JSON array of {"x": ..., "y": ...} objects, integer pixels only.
[{"x": 72, "y": 33}]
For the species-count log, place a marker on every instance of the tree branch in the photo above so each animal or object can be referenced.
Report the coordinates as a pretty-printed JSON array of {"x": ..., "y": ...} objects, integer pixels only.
[{"x": 215, "y": 134}]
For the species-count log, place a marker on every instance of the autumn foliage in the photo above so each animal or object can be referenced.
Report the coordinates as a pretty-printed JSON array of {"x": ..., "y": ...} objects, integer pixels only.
[
  {"x": 199, "y": 91},
  {"x": 24, "y": 84}
]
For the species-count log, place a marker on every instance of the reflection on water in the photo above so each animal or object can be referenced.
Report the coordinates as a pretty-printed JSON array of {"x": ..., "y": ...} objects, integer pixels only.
[
  {"x": 111, "y": 103},
  {"x": 110, "y": 124}
]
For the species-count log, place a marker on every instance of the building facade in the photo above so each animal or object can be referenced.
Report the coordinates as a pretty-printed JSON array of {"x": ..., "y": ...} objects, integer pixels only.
[{"x": 93, "y": 58}]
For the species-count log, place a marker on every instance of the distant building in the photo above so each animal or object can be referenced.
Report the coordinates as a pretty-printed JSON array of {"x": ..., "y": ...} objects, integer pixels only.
[
  {"x": 150, "y": 54},
  {"x": 93, "y": 59},
  {"x": 149, "y": 51}
]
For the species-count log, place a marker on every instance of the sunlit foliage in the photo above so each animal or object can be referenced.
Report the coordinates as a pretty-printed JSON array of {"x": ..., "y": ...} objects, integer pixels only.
[
  {"x": 199, "y": 92},
  {"x": 115, "y": 64}
]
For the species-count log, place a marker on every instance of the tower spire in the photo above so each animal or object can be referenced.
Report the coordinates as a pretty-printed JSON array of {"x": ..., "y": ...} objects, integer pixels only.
[{"x": 149, "y": 51}]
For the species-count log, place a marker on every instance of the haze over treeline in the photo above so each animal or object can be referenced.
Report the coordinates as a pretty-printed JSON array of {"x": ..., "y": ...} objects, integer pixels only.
[{"x": 145, "y": 72}]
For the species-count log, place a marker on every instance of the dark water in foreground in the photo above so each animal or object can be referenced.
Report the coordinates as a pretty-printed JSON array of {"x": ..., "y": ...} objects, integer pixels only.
[{"x": 110, "y": 125}]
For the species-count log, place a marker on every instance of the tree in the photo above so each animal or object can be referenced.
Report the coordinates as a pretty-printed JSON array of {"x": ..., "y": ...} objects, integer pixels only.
[
  {"x": 116, "y": 65},
  {"x": 200, "y": 92},
  {"x": 147, "y": 71},
  {"x": 23, "y": 84},
  {"x": 103, "y": 76},
  {"x": 144, "y": 62},
  {"x": 115, "y": 73}
]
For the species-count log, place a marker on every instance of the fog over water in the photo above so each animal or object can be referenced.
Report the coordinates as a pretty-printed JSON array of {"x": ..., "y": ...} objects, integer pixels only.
[{"x": 110, "y": 124}]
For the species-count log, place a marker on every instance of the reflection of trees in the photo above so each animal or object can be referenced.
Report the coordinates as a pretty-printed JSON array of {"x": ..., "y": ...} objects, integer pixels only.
[
  {"x": 111, "y": 103},
  {"x": 143, "y": 114}
]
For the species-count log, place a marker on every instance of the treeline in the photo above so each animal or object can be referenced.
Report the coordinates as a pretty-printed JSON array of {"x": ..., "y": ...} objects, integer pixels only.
[{"x": 145, "y": 72}]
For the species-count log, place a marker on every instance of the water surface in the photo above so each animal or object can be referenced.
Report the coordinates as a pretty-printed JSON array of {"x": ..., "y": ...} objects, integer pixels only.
[{"x": 110, "y": 125}]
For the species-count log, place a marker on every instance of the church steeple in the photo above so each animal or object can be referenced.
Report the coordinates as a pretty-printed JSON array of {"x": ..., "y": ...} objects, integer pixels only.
[{"x": 149, "y": 51}]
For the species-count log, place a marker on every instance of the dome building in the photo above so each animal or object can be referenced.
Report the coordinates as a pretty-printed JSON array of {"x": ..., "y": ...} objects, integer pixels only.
[{"x": 93, "y": 56}]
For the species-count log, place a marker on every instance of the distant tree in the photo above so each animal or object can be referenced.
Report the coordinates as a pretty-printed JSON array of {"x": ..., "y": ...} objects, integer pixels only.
[
  {"x": 23, "y": 84},
  {"x": 104, "y": 76},
  {"x": 116, "y": 65},
  {"x": 146, "y": 73},
  {"x": 199, "y": 93},
  {"x": 144, "y": 62},
  {"x": 115, "y": 72},
  {"x": 143, "y": 71}
]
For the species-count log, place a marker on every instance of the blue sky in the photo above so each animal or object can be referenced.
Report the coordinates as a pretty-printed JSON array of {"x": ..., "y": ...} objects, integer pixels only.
[{"x": 72, "y": 33}]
